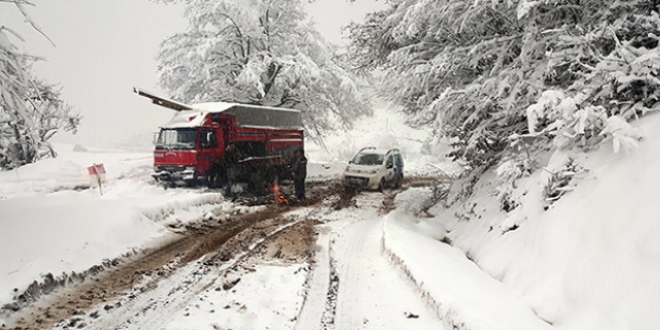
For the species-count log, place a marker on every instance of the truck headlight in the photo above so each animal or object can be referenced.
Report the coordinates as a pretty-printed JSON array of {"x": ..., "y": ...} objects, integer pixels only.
[{"x": 373, "y": 171}]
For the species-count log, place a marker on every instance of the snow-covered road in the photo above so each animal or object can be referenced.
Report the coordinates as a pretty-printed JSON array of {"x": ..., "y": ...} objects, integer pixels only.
[
  {"x": 372, "y": 293},
  {"x": 352, "y": 285},
  {"x": 327, "y": 264}
]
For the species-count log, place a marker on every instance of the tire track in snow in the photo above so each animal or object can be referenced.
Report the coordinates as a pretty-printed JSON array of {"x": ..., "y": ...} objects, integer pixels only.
[
  {"x": 313, "y": 308},
  {"x": 353, "y": 248},
  {"x": 130, "y": 281},
  {"x": 196, "y": 278},
  {"x": 330, "y": 314},
  {"x": 373, "y": 294}
]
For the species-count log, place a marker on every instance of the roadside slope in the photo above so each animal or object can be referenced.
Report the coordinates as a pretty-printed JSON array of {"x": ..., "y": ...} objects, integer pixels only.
[{"x": 591, "y": 260}]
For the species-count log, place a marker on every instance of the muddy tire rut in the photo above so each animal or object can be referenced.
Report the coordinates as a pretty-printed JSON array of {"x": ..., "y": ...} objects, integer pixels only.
[
  {"x": 133, "y": 277},
  {"x": 224, "y": 247}
]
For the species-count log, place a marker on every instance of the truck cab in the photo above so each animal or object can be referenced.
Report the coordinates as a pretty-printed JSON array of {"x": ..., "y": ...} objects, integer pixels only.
[{"x": 185, "y": 155}]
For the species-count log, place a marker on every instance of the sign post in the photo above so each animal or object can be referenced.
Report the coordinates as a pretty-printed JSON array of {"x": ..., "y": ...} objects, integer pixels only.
[{"x": 96, "y": 176}]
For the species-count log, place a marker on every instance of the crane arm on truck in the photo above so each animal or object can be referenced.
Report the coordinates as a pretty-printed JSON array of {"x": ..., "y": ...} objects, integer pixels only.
[{"x": 163, "y": 102}]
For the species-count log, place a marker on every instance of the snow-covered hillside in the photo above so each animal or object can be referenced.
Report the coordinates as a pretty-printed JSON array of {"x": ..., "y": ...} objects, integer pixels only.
[{"x": 591, "y": 260}]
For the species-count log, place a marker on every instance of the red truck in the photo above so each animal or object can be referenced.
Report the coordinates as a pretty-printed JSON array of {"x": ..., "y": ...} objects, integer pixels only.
[{"x": 190, "y": 149}]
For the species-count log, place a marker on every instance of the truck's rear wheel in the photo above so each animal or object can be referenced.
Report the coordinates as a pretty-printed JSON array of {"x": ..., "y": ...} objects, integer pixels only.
[
  {"x": 257, "y": 182},
  {"x": 272, "y": 178},
  {"x": 216, "y": 178}
]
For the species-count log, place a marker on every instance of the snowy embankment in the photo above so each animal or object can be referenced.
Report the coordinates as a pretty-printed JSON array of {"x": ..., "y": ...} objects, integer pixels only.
[
  {"x": 52, "y": 222},
  {"x": 462, "y": 295},
  {"x": 589, "y": 259}
]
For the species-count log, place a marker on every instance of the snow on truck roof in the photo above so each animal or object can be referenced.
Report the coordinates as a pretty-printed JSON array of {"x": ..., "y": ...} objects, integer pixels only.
[
  {"x": 246, "y": 115},
  {"x": 214, "y": 107}
]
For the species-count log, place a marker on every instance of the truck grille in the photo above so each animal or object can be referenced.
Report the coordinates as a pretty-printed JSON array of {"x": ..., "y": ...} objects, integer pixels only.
[{"x": 171, "y": 168}]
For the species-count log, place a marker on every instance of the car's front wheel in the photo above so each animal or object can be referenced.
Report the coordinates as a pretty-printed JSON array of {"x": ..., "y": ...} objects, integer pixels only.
[
  {"x": 397, "y": 182},
  {"x": 349, "y": 190}
]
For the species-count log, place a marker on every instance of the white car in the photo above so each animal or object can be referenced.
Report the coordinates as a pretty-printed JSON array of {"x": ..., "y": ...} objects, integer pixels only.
[{"x": 374, "y": 169}]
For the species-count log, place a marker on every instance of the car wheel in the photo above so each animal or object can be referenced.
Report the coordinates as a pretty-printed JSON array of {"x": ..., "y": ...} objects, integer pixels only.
[
  {"x": 397, "y": 182},
  {"x": 381, "y": 185},
  {"x": 349, "y": 190}
]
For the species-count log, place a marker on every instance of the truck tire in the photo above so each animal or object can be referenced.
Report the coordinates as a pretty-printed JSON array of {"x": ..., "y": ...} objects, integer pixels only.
[
  {"x": 257, "y": 182},
  {"x": 272, "y": 177},
  {"x": 216, "y": 178}
]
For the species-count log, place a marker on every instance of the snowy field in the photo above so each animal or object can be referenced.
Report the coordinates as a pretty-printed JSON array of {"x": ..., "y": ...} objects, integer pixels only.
[{"x": 588, "y": 262}]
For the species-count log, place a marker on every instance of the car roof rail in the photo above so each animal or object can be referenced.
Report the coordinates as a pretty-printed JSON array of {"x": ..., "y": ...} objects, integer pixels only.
[{"x": 366, "y": 148}]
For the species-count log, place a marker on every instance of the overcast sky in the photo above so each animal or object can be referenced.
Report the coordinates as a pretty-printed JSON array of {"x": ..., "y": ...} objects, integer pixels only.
[{"x": 105, "y": 47}]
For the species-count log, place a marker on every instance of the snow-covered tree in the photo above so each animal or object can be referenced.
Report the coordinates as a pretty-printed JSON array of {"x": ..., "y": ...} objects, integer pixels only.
[
  {"x": 31, "y": 111},
  {"x": 260, "y": 52},
  {"x": 486, "y": 71}
]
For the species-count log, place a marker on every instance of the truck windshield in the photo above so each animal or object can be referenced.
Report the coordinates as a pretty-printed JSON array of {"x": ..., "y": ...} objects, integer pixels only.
[
  {"x": 181, "y": 139},
  {"x": 368, "y": 159}
]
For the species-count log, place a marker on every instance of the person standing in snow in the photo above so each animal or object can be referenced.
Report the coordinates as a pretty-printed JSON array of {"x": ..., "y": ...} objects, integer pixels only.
[
  {"x": 299, "y": 171},
  {"x": 232, "y": 156}
]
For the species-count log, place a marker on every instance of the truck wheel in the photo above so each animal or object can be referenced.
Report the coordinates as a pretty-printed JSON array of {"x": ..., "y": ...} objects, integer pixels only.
[
  {"x": 257, "y": 183},
  {"x": 272, "y": 177},
  {"x": 211, "y": 180},
  {"x": 215, "y": 178}
]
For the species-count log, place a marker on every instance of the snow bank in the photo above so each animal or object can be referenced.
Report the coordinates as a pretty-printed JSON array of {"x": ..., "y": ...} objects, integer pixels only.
[
  {"x": 47, "y": 175},
  {"x": 592, "y": 259},
  {"x": 49, "y": 228},
  {"x": 462, "y": 294},
  {"x": 69, "y": 170},
  {"x": 62, "y": 232}
]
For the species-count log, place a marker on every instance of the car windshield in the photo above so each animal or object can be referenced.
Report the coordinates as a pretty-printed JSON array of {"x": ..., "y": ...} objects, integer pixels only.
[
  {"x": 368, "y": 159},
  {"x": 180, "y": 139}
]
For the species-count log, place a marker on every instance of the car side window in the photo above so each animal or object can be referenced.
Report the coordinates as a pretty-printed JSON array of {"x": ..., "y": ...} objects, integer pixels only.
[
  {"x": 399, "y": 160},
  {"x": 390, "y": 162}
]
